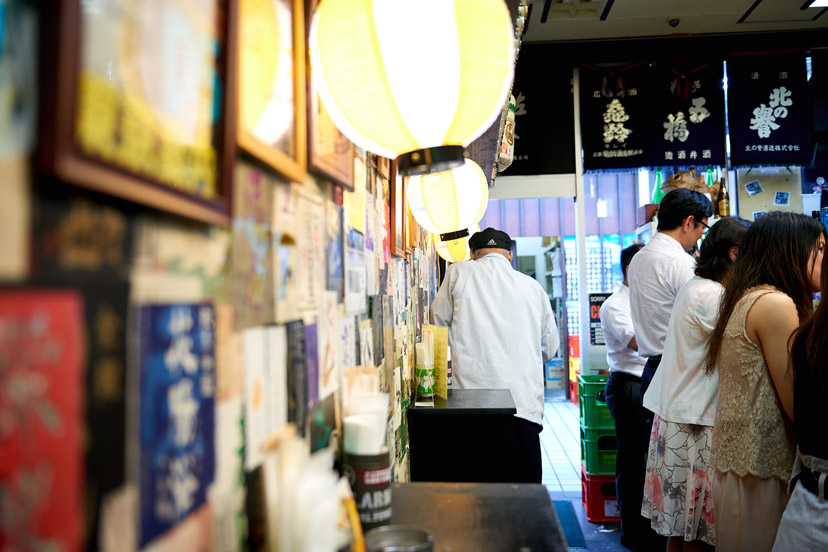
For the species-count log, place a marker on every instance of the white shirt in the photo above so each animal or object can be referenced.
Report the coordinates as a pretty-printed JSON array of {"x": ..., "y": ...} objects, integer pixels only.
[
  {"x": 501, "y": 330},
  {"x": 681, "y": 392},
  {"x": 656, "y": 274},
  {"x": 616, "y": 321}
]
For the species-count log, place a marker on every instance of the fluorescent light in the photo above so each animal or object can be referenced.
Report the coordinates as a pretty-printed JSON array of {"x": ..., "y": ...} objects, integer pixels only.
[{"x": 819, "y": 4}]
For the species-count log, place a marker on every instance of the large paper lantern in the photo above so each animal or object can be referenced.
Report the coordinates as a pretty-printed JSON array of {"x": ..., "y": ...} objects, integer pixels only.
[
  {"x": 450, "y": 200},
  {"x": 455, "y": 250},
  {"x": 414, "y": 79}
]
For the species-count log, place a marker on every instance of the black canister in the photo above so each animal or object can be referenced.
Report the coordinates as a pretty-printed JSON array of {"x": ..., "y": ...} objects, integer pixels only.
[{"x": 370, "y": 479}]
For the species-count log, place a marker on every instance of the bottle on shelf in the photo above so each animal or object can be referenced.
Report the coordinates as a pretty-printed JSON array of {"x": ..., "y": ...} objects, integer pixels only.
[
  {"x": 658, "y": 193},
  {"x": 723, "y": 201}
]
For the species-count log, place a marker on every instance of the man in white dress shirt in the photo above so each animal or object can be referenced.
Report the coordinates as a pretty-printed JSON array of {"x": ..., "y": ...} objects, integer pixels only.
[
  {"x": 661, "y": 268},
  {"x": 502, "y": 333},
  {"x": 656, "y": 274},
  {"x": 623, "y": 401}
]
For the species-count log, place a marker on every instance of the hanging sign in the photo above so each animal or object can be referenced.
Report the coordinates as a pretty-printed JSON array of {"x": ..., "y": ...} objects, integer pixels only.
[
  {"x": 768, "y": 110},
  {"x": 544, "y": 119},
  {"x": 615, "y": 110},
  {"x": 689, "y": 116},
  {"x": 596, "y": 332}
]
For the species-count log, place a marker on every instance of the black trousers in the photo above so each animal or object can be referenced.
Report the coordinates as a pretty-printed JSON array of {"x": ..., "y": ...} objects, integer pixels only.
[
  {"x": 527, "y": 452},
  {"x": 632, "y": 438}
]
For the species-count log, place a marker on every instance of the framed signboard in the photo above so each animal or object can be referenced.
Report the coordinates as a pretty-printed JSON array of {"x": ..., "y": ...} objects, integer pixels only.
[
  {"x": 398, "y": 212},
  {"x": 271, "y": 84},
  {"x": 136, "y": 108}
]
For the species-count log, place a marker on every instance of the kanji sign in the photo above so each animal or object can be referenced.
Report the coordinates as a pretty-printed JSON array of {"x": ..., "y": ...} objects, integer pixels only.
[{"x": 769, "y": 110}]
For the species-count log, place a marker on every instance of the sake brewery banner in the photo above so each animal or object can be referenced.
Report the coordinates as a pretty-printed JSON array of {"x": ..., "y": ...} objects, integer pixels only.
[
  {"x": 689, "y": 115},
  {"x": 615, "y": 110},
  {"x": 768, "y": 110},
  {"x": 544, "y": 114}
]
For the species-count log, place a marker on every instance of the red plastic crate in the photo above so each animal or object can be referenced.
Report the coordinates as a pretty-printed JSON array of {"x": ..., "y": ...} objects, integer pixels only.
[
  {"x": 573, "y": 391},
  {"x": 598, "y": 497}
]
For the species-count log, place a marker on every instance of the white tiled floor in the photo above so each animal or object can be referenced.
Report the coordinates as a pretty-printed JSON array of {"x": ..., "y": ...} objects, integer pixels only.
[{"x": 561, "y": 448}]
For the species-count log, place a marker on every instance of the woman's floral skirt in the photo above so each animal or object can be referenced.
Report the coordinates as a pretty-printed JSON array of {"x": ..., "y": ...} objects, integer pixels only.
[{"x": 678, "y": 489}]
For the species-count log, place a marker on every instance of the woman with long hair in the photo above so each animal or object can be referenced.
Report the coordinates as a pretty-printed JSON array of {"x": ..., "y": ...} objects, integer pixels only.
[
  {"x": 769, "y": 292},
  {"x": 804, "y": 524},
  {"x": 678, "y": 485}
]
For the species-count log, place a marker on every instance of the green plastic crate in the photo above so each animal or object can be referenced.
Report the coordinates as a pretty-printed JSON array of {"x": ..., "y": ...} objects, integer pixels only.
[
  {"x": 594, "y": 412},
  {"x": 598, "y": 451}
]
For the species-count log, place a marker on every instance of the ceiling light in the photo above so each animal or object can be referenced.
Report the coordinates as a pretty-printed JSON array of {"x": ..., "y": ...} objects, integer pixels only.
[
  {"x": 819, "y": 4},
  {"x": 456, "y": 249}
]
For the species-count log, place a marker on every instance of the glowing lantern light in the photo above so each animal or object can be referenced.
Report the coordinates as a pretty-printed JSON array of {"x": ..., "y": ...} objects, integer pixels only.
[
  {"x": 448, "y": 201},
  {"x": 418, "y": 79},
  {"x": 455, "y": 250}
]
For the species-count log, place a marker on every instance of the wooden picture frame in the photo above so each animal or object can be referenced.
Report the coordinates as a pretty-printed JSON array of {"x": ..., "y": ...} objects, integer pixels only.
[
  {"x": 329, "y": 151},
  {"x": 111, "y": 135},
  {"x": 266, "y": 102},
  {"x": 412, "y": 228},
  {"x": 397, "y": 243}
]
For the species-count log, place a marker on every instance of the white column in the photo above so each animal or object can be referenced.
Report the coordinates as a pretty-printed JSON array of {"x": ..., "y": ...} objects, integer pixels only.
[{"x": 580, "y": 228}]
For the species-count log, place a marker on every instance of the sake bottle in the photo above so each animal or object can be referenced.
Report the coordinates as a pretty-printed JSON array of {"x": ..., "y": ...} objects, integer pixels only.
[{"x": 723, "y": 200}]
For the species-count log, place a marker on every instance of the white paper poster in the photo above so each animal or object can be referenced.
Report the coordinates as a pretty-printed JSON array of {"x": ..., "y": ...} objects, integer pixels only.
[{"x": 355, "y": 285}]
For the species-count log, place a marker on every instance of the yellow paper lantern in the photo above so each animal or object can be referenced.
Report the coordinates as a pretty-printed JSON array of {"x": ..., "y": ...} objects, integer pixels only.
[
  {"x": 450, "y": 200},
  {"x": 455, "y": 250},
  {"x": 418, "y": 79}
]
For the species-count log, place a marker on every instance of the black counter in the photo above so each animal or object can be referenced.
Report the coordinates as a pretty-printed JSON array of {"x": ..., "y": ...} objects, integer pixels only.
[
  {"x": 468, "y": 437},
  {"x": 468, "y": 517}
]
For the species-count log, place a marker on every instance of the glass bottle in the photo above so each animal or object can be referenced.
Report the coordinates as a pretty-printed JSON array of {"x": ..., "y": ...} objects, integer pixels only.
[
  {"x": 658, "y": 193},
  {"x": 723, "y": 200}
]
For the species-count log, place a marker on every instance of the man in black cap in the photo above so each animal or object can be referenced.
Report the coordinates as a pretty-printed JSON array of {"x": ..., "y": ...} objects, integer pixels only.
[{"x": 502, "y": 333}]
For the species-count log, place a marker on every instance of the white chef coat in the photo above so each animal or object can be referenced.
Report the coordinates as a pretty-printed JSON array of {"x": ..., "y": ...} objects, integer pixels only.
[
  {"x": 616, "y": 321},
  {"x": 656, "y": 274},
  {"x": 501, "y": 330}
]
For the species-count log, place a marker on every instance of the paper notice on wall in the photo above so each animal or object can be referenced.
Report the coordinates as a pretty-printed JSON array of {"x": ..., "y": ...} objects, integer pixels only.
[
  {"x": 440, "y": 334},
  {"x": 311, "y": 268},
  {"x": 366, "y": 343},
  {"x": 329, "y": 360},
  {"x": 346, "y": 347},
  {"x": 353, "y": 202},
  {"x": 254, "y": 399},
  {"x": 15, "y": 210},
  {"x": 355, "y": 284}
]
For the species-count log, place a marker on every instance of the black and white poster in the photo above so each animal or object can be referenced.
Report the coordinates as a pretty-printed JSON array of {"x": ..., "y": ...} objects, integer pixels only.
[
  {"x": 769, "y": 112},
  {"x": 688, "y": 107},
  {"x": 615, "y": 110}
]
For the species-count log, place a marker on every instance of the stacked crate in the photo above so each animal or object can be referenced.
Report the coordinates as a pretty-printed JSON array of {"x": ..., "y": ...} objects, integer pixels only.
[{"x": 597, "y": 450}]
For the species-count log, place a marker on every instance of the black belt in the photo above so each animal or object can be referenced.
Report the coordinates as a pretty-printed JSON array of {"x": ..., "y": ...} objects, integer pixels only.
[
  {"x": 810, "y": 480},
  {"x": 625, "y": 376},
  {"x": 655, "y": 358}
]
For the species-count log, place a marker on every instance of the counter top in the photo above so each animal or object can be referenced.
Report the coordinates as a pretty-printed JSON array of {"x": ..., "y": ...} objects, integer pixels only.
[
  {"x": 480, "y": 517},
  {"x": 470, "y": 401}
]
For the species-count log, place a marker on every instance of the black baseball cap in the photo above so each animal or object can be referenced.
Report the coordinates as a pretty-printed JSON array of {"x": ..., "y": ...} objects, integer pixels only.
[{"x": 490, "y": 238}]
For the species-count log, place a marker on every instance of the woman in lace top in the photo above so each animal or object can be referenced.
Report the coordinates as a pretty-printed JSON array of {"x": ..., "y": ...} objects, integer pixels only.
[
  {"x": 768, "y": 293},
  {"x": 678, "y": 485},
  {"x": 804, "y": 524}
]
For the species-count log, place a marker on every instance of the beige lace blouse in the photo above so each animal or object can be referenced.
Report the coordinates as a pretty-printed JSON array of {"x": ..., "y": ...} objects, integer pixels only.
[{"x": 752, "y": 435}]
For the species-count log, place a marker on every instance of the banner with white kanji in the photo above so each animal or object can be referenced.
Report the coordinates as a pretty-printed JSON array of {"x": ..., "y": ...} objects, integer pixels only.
[
  {"x": 769, "y": 112},
  {"x": 176, "y": 413},
  {"x": 614, "y": 116},
  {"x": 688, "y": 110}
]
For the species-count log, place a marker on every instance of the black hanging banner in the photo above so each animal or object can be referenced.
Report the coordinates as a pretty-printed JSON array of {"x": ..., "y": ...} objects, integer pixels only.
[
  {"x": 688, "y": 110},
  {"x": 544, "y": 115},
  {"x": 615, "y": 105},
  {"x": 768, "y": 110}
]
